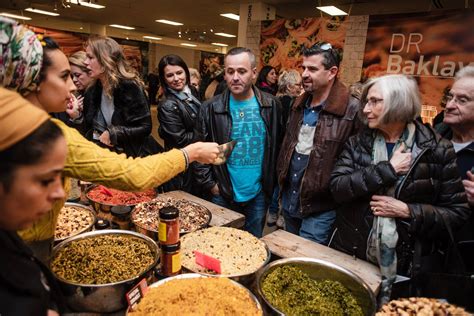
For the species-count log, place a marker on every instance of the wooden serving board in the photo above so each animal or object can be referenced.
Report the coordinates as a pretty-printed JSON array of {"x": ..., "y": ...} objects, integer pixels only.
[
  {"x": 286, "y": 245},
  {"x": 221, "y": 216}
]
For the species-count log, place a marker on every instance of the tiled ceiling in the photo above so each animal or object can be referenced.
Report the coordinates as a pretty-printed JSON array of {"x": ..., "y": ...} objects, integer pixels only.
[{"x": 201, "y": 17}]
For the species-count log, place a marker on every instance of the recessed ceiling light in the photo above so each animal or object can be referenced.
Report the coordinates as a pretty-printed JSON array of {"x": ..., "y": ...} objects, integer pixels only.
[
  {"x": 122, "y": 26},
  {"x": 169, "y": 22},
  {"x": 153, "y": 38},
  {"x": 189, "y": 45},
  {"x": 230, "y": 16},
  {"x": 86, "y": 4},
  {"x": 14, "y": 16},
  {"x": 42, "y": 12},
  {"x": 220, "y": 44},
  {"x": 332, "y": 10},
  {"x": 225, "y": 34}
]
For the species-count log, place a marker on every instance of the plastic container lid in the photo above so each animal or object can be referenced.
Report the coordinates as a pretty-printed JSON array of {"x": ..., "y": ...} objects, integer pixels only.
[
  {"x": 120, "y": 211},
  {"x": 169, "y": 212},
  {"x": 101, "y": 224}
]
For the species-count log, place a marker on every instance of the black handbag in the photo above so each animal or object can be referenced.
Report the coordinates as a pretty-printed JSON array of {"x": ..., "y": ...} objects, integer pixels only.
[{"x": 451, "y": 280}]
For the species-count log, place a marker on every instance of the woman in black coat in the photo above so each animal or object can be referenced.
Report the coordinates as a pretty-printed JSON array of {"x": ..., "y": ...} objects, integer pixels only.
[
  {"x": 397, "y": 182},
  {"x": 117, "y": 114},
  {"x": 178, "y": 114},
  {"x": 267, "y": 80}
]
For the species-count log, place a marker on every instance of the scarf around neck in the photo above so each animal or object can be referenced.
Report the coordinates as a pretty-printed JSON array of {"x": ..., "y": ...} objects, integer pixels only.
[{"x": 383, "y": 237}]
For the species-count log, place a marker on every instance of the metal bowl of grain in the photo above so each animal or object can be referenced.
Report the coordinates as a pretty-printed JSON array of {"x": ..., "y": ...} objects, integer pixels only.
[
  {"x": 328, "y": 288},
  {"x": 73, "y": 219},
  {"x": 192, "y": 216},
  {"x": 199, "y": 295},
  {"x": 96, "y": 269},
  {"x": 240, "y": 253}
]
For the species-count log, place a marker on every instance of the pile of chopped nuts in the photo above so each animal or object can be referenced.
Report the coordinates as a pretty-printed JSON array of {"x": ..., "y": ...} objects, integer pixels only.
[
  {"x": 420, "y": 306},
  {"x": 73, "y": 220},
  {"x": 192, "y": 216}
]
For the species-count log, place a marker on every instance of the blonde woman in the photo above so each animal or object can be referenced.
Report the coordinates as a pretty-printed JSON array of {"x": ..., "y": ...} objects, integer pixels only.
[{"x": 117, "y": 113}]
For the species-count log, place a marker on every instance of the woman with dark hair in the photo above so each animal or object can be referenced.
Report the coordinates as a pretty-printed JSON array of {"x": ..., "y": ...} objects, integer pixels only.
[
  {"x": 32, "y": 155},
  {"x": 24, "y": 56},
  {"x": 117, "y": 113},
  {"x": 267, "y": 80},
  {"x": 178, "y": 114}
]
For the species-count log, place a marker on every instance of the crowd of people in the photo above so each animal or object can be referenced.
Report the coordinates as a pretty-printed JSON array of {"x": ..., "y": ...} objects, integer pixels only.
[{"x": 358, "y": 172}]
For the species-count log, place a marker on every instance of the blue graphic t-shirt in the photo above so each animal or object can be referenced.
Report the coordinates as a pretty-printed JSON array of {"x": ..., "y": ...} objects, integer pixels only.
[{"x": 245, "y": 162}]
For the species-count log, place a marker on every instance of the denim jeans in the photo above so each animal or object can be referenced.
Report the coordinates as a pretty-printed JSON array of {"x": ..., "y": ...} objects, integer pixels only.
[
  {"x": 273, "y": 208},
  {"x": 254, "y": 211},
  {"x": 316, "y": 227}
]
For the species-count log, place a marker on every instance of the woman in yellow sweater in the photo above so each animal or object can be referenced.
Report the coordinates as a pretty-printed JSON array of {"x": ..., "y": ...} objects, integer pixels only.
[{"x": 42, "y": 76}]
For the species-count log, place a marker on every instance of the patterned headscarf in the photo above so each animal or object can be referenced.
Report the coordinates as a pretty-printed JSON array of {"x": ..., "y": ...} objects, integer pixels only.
[{"x": 21, "y": 56}]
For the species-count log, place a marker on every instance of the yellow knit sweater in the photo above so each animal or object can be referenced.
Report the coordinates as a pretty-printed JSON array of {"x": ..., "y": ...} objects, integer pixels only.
[{"x": 88, "y": 162}]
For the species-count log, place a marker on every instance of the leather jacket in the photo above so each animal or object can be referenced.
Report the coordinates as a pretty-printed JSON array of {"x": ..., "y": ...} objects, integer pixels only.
[
  {"x": 130, "y": 131},
  {"x": 432, "y": 188},
  {"x": 337, "y": 121},
  {"x": 178, "y": 117},
  {"x": 216, "y": 126}
]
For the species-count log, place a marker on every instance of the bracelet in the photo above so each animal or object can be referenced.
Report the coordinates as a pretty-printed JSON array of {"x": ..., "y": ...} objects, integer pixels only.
[{"x": 186, "y": 158}]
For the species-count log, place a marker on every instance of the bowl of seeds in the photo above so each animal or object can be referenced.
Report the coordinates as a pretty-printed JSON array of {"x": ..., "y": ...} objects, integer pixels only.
[
  {"x": 97, "y": 268},
  {"x": 306, "y": 286}
]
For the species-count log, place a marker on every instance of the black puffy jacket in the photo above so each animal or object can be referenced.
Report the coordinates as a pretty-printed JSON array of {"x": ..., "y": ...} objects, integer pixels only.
[
  {"x": 131, "y": 122},
  {"x": 432, "y": 188},
  {"x": 216, "y": 126}
]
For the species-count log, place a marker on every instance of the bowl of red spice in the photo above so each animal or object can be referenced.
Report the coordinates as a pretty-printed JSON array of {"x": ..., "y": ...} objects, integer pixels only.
[{"x": 103, "y": 199}]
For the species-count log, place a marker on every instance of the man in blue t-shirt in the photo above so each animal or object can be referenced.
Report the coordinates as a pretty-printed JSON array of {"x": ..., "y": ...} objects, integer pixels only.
[{"x": 252, "y": 118}]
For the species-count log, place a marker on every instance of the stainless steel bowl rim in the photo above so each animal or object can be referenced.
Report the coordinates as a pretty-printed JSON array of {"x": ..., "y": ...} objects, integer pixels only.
[
  {"x": 181, "y": 231},
  {"x": 197, "y": 275},
  {"x": 151, "y": 243},
  {"x": 241, "y": 274},
  {"x": 284, "y": 261},
  {"x": 83, "y": 230},
  {"x": 103, "y": 203}
]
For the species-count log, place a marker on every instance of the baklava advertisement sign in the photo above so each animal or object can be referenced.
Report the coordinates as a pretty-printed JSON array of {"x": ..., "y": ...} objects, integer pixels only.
[
  {"x": 282, "y": 40},
  {"x": 430, "y": 47}
]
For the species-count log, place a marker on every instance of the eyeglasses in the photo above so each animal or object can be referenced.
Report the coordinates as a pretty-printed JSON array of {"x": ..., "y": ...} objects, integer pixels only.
[
  {"x": 459, "y": 100},
  {"x": 372, "y": 101},
  {"x": 323, "y": 46}
]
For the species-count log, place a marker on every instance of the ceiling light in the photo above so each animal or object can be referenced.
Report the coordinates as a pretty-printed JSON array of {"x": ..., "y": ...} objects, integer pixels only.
[
  {"x": 14, "y": 16},
  {"x": 230, "y": 16},
  {"x": 122, "y": 26},
  {"x": 169, "y": 22},
  {"x": 153, "y": 38},
  {"x": 225, "y": 34},
  {"x": 220, "y": 44},
  {"x": 86, "y": 4},
  {"x": 332, "y": 10},
  {"x": 189, "y": 45},
  {"x": 42, "y": 12}
]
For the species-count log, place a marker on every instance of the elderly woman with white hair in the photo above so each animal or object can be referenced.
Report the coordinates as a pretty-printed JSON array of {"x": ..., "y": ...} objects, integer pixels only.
[{"x": 397, "y": 183}]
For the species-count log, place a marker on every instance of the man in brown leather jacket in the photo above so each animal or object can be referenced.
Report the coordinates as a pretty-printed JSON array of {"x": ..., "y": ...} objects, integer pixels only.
[{"x": 321, "y": 120}]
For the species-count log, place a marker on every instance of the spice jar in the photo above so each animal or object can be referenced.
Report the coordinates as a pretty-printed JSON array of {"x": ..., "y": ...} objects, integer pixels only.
[
  {"x": 170, "y": 261},
  {"x": 168, "y": 229},
  {"x": 121, "y": 216}
]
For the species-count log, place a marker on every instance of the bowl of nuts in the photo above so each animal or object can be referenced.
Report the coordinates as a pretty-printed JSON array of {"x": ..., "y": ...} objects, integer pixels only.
[
  {"x": 73, "y": 219},
  {"x": 192, "y": 216}
]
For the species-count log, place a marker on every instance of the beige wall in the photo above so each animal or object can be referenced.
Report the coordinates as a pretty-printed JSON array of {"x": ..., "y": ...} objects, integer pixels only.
[{"x": 157, "y": 51}]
